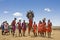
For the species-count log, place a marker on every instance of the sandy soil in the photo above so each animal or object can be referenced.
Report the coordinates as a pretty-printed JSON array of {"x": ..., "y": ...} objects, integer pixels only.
[{"x": 55, "y": 36}]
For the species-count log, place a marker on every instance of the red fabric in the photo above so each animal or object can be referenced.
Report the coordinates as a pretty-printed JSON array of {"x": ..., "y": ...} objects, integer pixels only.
[
  {"x": 34, "y": 28},
  {"x": 23, "y": 30},
  {"x": 30, "y": 24},
  {"x": 23, "y": 27},
  {"x": 44, "y": 27},
  {"x": 6, "y": 30},
  {"x": 39, "y": 27},
  {"x": 13, "y": 23},
  {"x": 49, "y": 27},
  {"x": 19, "y": 25},
  {"x": 13, "y": 28}
]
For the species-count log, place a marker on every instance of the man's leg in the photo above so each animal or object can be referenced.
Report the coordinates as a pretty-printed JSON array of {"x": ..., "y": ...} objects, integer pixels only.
[{"x": 29, "y": 31}]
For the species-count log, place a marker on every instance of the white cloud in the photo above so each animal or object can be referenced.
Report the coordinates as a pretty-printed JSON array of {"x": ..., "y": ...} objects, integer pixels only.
[
  {"x": 47, "y": 9},
  {"x": 5, "y": 12},
  {"x": 19, "y": 18},
  {"x": 17, "y": 14}
]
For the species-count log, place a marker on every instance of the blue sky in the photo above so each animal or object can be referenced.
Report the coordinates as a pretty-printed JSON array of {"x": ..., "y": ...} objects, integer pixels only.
[{"x": 49, "y": 9}]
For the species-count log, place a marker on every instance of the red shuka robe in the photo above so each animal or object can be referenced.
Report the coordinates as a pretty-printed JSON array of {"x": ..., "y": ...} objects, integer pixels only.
[
  {"x": 40, "y": 27},
  {"x": 30, "y": 24},
  {"x": 35, "y": 28},
  {"x": 13, "y": 25},
  {"x": 49, "y": 27},
  {"x": 19, "y": 25},
  {"x": 44, "y": 27}
]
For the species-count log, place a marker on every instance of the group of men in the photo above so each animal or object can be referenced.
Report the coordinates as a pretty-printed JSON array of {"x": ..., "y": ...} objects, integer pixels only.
[
  {"x": 6, "y": 28},
  {"x": 40, "y": 29}
]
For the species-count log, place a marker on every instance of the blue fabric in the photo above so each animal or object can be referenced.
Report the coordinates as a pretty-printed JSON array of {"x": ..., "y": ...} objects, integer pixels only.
[{"x": 2, "y": 27}]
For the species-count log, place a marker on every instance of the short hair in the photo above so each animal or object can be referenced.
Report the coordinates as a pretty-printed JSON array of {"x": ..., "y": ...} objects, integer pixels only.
[
  {"x": 19, "y": 20},
  {"x": 14, "y": 18}
]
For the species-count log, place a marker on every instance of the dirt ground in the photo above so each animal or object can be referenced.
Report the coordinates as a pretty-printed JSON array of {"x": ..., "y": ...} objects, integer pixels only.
[{"x": 55, "y": 36}]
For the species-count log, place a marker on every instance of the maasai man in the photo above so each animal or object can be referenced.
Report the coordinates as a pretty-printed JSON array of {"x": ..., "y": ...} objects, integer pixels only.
[
  {"x": 13, "y": 26},
  {"x": 40, "y": 28},
  {"x": 6, "y": 27},
  {"x": 23, "y": 27},
  {"x": 30, "y": 26},
  {"x": 30, "y": 16},
  {"x": 44, "y": 27},
  {"x": 19, "y": 27},
  {"x": 35, "y": 29},
  {"x": 2, "y": 27},
  {"x": 49, "y": 29}
]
